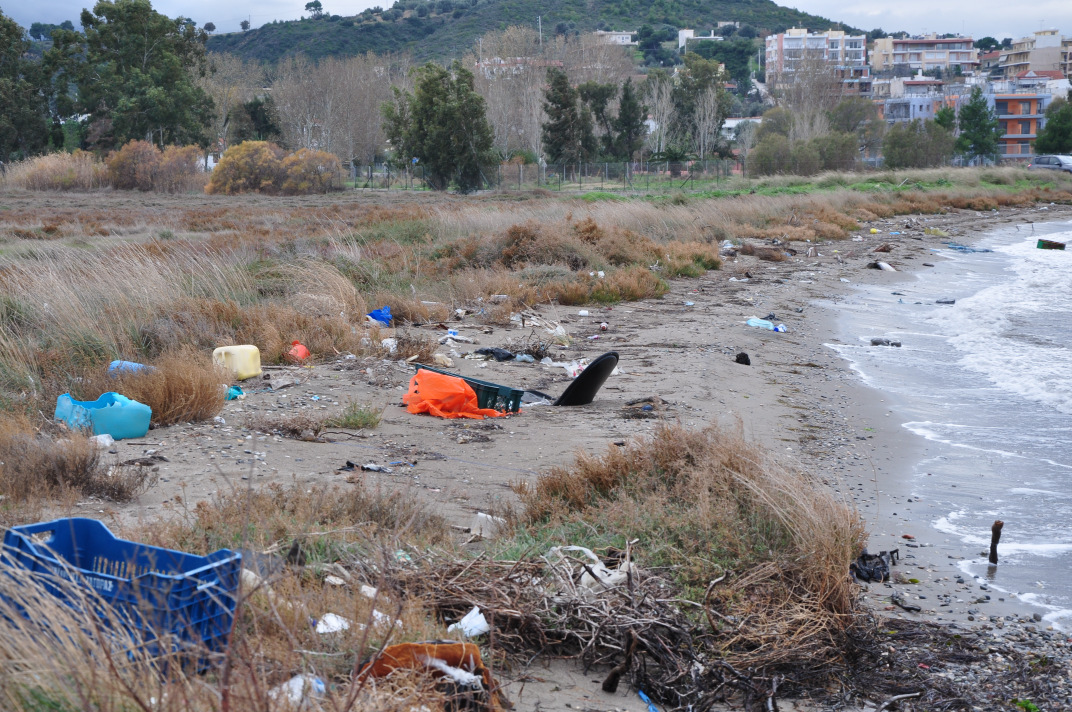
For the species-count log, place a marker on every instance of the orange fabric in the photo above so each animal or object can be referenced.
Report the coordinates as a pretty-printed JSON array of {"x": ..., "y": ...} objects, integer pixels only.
[
  {"x": 413, "y": 656},
  {"x": 444, "y": 396}
]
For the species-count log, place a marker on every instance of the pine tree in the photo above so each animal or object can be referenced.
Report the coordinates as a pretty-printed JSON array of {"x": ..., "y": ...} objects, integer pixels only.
[
  {"x": 24, "y": 116},
  {"x": 442, "y": 127},
  {"x": 1056, "y": 135},
  {"x": 629, "y": 127},
  {"x": 979, "y": 128},
  {"x": 567, "y": 134}
]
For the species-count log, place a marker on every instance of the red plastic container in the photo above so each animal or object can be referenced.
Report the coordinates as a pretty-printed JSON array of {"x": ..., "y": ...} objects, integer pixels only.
[{"x": 298, "y": 352}]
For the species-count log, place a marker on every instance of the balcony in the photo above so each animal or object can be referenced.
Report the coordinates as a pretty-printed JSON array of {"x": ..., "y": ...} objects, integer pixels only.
[
  {"x": 1017, "y": 117},
  {"x": 1025, "y": 137}
]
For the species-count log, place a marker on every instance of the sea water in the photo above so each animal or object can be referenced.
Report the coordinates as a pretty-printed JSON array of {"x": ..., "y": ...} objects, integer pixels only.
[{"x": 986, "y": 386}]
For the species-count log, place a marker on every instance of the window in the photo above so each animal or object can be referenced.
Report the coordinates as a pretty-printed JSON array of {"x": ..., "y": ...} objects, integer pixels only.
[{"x": 1025, "y": 107}]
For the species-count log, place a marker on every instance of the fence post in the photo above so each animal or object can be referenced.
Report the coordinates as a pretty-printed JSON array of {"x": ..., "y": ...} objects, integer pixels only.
[{"x": 520, "y": 174}]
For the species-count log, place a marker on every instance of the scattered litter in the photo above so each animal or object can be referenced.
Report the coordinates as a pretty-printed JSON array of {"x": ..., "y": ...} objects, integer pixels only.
[
  {"x": 844, "y": 280},
  {"x": 573, "y": 368},
  {"x": 298, "y": 352},
  {"x": 874, "y": 231},
  {"x": 381, "y": 316},
  {"x": 450, "y": 338},
  {"x": 765, "y": 324},
  {"x": 486, "y": 525},
  {"x": 1041, "y": 245},
  {"x": 945, "y": 300},
  {"x": 885, "y": 247},
  {"x": 472, "y": 624},
  {"x": 874, "y": 567},
  {"x": 646, "y": 700},
  {"x": 391, "y": 345},
  {"x": 443, "y": 659},
  {"x": 334, "y": 581},
  {"x": 103, "y": 440},
  {"x": 603, "y": 326},
  {"x": 937, "y": 232},
  {"x": 965, "y": 248},
  {"x": 690, "y": 304},
  {"x": 118, "y": 368},
  {"x": 296, "y": 688},
  {"x": 441, "y": 360},
  {"x": 373, "y": 467},
  {"x": 743, "y": 359},
  {"x": 881, "y": 341},
  {"x": 331, "y": 623},
  {"x": 595, "y": 577},
  {"x": 499, "y": 298},
  {"x": 244, "y": 361},
  {"x": 219, "y": 420},
  {"x": 496, "y": 353},
  {"x": 524, "y": 358},
  {"x": 111, "y": 414},
  {"x": 582, "y": 312},
  {"x": 884, "y": 266},
  {"x": 898, "y": 601},
  {"x": 235, "y": 393},
  {"x": 593, "y": 337}
]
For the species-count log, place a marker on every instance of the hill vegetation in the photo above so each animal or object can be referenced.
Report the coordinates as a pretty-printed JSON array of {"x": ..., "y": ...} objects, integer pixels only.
[{"x": 446, "y": 29}]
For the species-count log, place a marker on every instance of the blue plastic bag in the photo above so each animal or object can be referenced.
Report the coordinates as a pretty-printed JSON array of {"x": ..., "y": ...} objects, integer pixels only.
[
  {"x": 382, "y": 315},
  {"x": 118, "y": 368}
]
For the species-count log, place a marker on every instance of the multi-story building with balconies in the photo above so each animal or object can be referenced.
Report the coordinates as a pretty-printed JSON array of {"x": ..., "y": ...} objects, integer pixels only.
[{"x": 924, "y": 53}]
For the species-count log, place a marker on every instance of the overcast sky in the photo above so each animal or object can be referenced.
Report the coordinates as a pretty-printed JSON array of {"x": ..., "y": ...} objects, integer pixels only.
[{"x": 977, "y": 18}]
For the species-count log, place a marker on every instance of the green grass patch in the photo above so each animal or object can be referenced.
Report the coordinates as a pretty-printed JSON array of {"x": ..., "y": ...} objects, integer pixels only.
[{"x": 356, "y": 417}]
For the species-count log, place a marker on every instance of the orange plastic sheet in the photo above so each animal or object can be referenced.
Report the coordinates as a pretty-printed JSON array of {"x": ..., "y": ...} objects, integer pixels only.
[
  {"x": 424, "y": 656},
  {"x": 444, "y": 396}
]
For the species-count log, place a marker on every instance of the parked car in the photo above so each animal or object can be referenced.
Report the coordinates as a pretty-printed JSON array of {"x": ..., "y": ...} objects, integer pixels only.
[{"x": 1053, "y": 163}]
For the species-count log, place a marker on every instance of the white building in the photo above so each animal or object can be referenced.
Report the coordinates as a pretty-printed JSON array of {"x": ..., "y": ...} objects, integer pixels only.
[
  {"x": 786, "y": 49},
  {"x": 616, "y": 37}
]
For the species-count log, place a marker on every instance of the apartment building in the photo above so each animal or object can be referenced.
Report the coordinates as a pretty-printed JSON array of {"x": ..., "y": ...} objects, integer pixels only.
[
  {"x": 924, "y": 53},
  {"x": 1021, "y": 117},
  {"x": 1041, "y": 51},
  {"x": 787, "y": 49},
  {"x": 1066, "y": 57}
]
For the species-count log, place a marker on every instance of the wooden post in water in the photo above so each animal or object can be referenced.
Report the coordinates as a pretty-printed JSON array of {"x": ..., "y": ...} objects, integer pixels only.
[{"x": 995, "y": 537}]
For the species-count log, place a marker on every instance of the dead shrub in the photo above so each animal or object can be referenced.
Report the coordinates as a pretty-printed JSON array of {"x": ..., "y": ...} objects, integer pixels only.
[
  {"x": 771, "y": 254},
  {"x": 40, "y": 464},
  {"x": 180, "y": 171},
  {"x": 134, "y": 165},
  {"x": 185, "y": 386},
  {"x": 705, "y": 500},
  {"x": 414, "y": 346},
  {"x": 298, "y": 426},
  {"x": 534, "y": 244}
]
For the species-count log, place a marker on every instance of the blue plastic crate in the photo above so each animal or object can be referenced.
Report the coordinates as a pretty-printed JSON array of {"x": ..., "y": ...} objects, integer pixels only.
[{"x": 155, "y": 591}]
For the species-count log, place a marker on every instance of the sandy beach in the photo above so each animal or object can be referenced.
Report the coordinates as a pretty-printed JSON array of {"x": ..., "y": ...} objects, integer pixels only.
[{"x": 798, "y": 398}]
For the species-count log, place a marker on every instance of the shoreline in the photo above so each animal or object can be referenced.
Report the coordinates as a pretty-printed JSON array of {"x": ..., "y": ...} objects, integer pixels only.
[{"x": 946, "y": 594}]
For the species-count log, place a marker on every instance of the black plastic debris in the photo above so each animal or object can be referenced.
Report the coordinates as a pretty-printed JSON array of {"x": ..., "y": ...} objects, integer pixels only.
[
  {"x": 742, "y": 358},
  {"x": 497, "y": 354},
  {"x": 874, "y": 567}
]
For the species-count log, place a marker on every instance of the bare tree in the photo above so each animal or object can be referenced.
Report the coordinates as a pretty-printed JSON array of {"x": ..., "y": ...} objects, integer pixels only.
[
  {"x": 230, "y": 82},
  {"x": 810, "y": 91},
  {"x": 712, "y": 107},
  {"x": 658, "y": 96},
  {"x": 510, "y": 73}
]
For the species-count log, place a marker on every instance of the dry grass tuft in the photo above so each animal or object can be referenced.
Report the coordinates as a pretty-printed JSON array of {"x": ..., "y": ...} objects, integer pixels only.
[
  {"x": 416, "y": 346},
  {"x": 59, "y": 171},
  {"x": 771, "y": 254},
  {"x": 184, "y": 387},
  {"x": 55, "y": 464},
  {"x": 705, "y": 501}
]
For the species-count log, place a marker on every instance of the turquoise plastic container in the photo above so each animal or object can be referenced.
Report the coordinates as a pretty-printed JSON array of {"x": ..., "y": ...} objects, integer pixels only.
[{"x": 111, "y": 414}]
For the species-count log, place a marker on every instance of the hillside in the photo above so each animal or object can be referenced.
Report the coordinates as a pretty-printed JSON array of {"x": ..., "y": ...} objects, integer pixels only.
[{"x": 441, "y": 29}]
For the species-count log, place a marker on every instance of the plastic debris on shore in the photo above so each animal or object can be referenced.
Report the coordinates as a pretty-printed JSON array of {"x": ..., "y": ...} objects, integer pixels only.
[
  {"x": 472, "y": 624},
  {"x": 764, "y": 324}
]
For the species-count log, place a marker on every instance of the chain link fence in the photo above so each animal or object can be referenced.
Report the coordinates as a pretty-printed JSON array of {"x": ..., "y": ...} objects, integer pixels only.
[{"x": 635, "y": 177}]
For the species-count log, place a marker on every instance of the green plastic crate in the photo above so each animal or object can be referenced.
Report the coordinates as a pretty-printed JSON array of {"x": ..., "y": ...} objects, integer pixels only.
[{"x": 488, "y": 395}]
